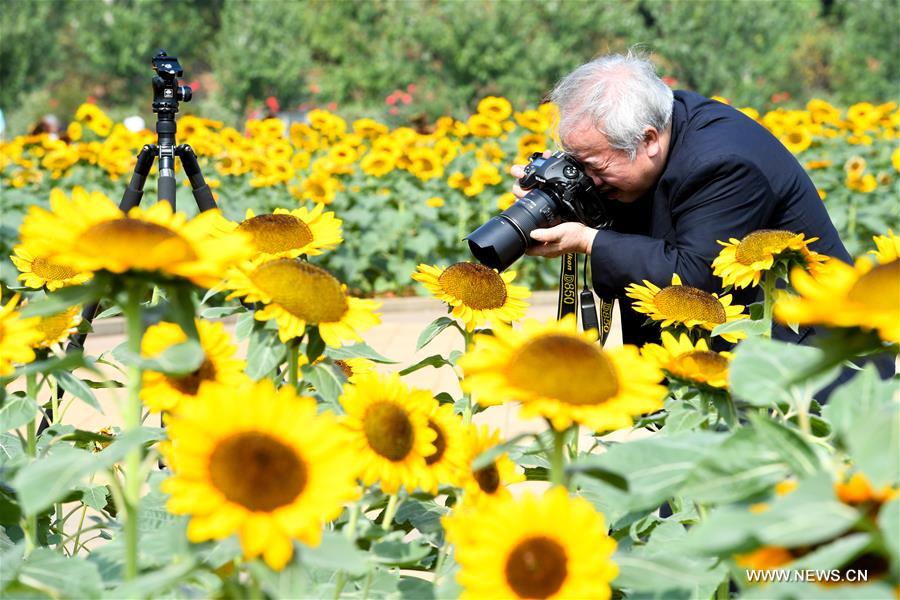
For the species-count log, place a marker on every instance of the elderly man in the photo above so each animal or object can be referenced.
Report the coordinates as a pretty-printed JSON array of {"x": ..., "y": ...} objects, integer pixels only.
[{"x": 683, "y": 171}]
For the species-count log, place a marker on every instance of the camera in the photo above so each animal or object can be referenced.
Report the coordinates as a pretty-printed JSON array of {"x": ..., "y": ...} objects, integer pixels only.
[
  {"x": 166, "y": 91},
  {"x": 558, "y": 191}
]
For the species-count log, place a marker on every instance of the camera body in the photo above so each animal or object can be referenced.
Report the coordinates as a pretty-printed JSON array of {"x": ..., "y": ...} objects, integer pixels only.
[
  {"x": 166, "y": 91},
  {"x": 558, "y": 190}
]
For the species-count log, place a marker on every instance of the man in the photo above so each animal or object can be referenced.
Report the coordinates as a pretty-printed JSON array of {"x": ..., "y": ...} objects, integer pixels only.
[{"x": 683, "y": 171}]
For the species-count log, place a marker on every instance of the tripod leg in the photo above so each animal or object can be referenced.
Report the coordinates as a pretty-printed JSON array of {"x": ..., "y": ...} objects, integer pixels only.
[
  {"x": 166, "y": 185},
  {"x": 202, "y": 194},
  {"x": 135, "y": 189}
]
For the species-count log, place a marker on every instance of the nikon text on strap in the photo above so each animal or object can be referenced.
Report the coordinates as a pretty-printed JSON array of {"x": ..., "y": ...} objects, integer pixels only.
[{"x": 568, "y": 299}]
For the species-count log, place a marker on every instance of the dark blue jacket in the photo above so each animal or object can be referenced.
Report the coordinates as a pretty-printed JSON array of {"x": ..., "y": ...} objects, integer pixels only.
[{"x": 725, "y": 176}]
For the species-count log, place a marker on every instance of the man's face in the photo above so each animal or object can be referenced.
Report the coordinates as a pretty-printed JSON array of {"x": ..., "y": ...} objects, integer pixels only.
[{"x": 612, "y": 170}]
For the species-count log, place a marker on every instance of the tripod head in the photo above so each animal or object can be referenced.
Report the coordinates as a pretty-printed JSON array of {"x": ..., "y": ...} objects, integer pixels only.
[{"x": 166, "y": 91}]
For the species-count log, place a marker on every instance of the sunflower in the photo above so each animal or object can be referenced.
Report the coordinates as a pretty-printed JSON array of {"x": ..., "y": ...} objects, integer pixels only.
[
  {"x": 483, "y": 126},
  {"x": 425, "y": 163},
  {"x": 369, "y": 128},
  {"x": 272, "y": 474},
  {"x": 319, "y": 187},
  {"x": 551, "y": 546},
  {"x": 447, "y": 463},
  {"x": 495, "y": 107},
  {"x": 865, "y": 296},
  {"x": 490, "y": 482},
  {"x": 476, "y": 293},
  {"x": 741, "y": 263},
  {"x": 295, "y": 293},
  {"x": 857, "y": 489},
  {"x": 17, "y": 336},
  {"x": 38, "y": 272},
  {"x": 693, "y": 363},
  {"x": 388, "y": 423},
  {"x": 161, "y": 392},
  {"x": 55, "y": 329},
  {"x": 684, "y": 305},
  {"x": 577, "y": 382},
  {"x": 290, "y": 233},
  {"x": 89, "y": 233},
  {"x": 888, "y": 247},
  {"x": 378, "y": 163}
]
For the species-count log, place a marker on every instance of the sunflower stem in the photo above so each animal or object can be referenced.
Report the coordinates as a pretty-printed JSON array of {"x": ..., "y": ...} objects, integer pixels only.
[
  {"x": 132, "y": 421},
  {"x": 352, "y": 520},
  {"x": 390, "y": 511},
  {"x": 768, "y": 300},
  {"x": 293, "y": 359},
  {"x": 558, "y": 459},
  {"x": 30, "y": 525}
]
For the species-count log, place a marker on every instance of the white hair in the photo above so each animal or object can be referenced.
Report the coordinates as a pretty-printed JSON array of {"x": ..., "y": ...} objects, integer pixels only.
[{"x": 621, "y": 95}]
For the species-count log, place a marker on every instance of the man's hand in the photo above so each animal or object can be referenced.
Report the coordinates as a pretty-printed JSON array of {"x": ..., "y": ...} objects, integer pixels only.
[
  {"x": 562, "y": 239},
  {"x": 518, "y": 171}
]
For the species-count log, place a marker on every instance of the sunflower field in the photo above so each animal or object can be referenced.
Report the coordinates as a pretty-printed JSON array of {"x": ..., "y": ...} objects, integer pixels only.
[{"x": 307, "y": 467}]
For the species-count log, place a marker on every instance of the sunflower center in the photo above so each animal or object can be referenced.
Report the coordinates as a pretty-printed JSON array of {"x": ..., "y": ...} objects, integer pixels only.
[
  {"x": 488, "y": 478},
  {"x": 257, "y": 471},
  {"x": 879, "y": 289},
  {"x": 277, "y": 233},
  {"x": 477, "y": 286},
  {"x": 51, "y": 272},
  {"x": 564, "y": 368},
  {"x": 303, "y": 290},
  {"x": 685, "y": 303},
  {"x": 440, "y": 444},
  {"x": 139, "y": 243},
  {"x": 707, "y": 362},
  {"x": 536, "y": 567},
  {"x": 190, "y": 383},
  {"x": 388, "y": 430},
  {"x": 758, "y": 245}
]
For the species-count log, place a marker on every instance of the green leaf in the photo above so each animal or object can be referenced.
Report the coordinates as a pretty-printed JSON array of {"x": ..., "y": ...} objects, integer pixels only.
[
  {"x": 69, "y": 362},
  {"x": 762, "y": 372},
  {"x": 740, "y": 467},
  {"x": 659, "y": 572},
  {"x": 435, "y": 360},
  {"x": 610, "y": 477},
  {"x": 433, "y": 330},
  {"x": 61, "y": 299},
  {"x": 414, "y": 588},
  {"x": 79, "y": 389},
  {"x": 424, "y": 516},
  {"x": 834, "y": 555},
  {"x": 325, "y": 379},
  {"x": 180, "y": 359},
  {"x": 315, "y": 345},
  {"x": 217, "y": 312},
  {"x": 42, "y": 482},
  {"x": 489, "y": 456},
  {"x": 155, "y": 583},
  {"x": 264, "y": 353},
  {"x": 751, "y": 327},
  {"x": 864, "y": 393},
  {"x": 337, "y": 553},
  {"x": 60, "y": 576},
  {"x": 889, "y": 524},
  {"x": 360, "y": 350},
  {"x": 94, "y": 496},
  {"x": 789, "y": 444},
  {"x": 395, "y": 551},
  {"x": 872, "y": 443},
  {"x": 16, "y": 411}
]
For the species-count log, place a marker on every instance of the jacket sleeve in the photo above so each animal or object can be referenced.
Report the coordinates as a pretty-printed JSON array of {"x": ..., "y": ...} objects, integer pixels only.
[{"x": 716, "y": 201}]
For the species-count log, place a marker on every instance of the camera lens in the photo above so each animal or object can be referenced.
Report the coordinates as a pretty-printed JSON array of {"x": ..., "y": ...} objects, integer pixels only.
[{"x": 503, "y": 239}]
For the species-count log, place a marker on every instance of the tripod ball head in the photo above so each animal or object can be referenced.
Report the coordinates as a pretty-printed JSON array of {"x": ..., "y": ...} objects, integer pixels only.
[{"x": 166, "y": 91}]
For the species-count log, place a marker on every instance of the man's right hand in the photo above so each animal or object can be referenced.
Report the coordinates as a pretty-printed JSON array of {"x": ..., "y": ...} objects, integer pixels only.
[{"x": 518, "y": 171}]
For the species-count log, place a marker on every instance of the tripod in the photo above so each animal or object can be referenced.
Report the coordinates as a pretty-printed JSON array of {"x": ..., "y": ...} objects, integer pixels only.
[{"x": 166, "y": 95}]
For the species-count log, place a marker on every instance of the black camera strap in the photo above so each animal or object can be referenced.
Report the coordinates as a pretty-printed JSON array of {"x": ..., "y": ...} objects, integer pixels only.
[{"x": 569, "y": 302}]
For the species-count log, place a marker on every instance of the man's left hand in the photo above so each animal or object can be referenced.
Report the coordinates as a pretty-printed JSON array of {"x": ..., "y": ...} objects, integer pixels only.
[{"x": 562, "y": 239}]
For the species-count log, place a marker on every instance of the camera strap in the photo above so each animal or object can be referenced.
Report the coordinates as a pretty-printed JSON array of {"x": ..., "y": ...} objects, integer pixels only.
[{"x": 568, "y": 301}]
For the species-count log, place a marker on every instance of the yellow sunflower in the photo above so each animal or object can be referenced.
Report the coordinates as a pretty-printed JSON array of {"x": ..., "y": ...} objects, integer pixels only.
[
  {"x": 160, "y": 391},
  {"x": 354, "y": 367},
  {"x": 290, "y": 233},
  {"x": 388, "y": 423},
  {"x": 55, "y": 329},
  {"x": 797, "y": 139},
  {"x": 686, "y": 361},
  {"x": 17, "y": 336},
  {"x": 318, "y": 187},
  {"x": 684, "y": 305},
  {"x": 495, "y": 107},
  {"x": 476, "y": 293},
  {"x": 865, "y": 296},
  {"x": 888, "y": 247},
  {"x": 37, "y": 272},
  {"x": 741, "y": 263},
  {"x": 273, "y": 471},
  {"x": 89, "y": 233},
  {"x": 550, "y": 546},
  {"x": 490, "y": 482},
  {"x": 483, "y": 126},
  {"x": 425, "y": 163},
  {"x": 562, "y": 374},
  {"x": 447, "y": 464},
  {"x": 378, "y": 163},
  {"x": 295, "y": 293}
]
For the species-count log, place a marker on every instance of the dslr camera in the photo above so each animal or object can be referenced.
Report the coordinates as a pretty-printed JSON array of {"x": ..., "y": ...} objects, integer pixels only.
[{"x": 558, "y": 191}]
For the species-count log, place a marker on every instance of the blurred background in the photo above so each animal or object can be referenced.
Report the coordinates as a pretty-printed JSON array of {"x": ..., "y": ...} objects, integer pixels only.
[{"x": 417, "y": 60}]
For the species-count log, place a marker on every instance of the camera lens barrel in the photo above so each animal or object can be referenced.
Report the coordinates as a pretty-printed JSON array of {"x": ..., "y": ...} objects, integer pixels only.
[{"x": 503, "y": 239}]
